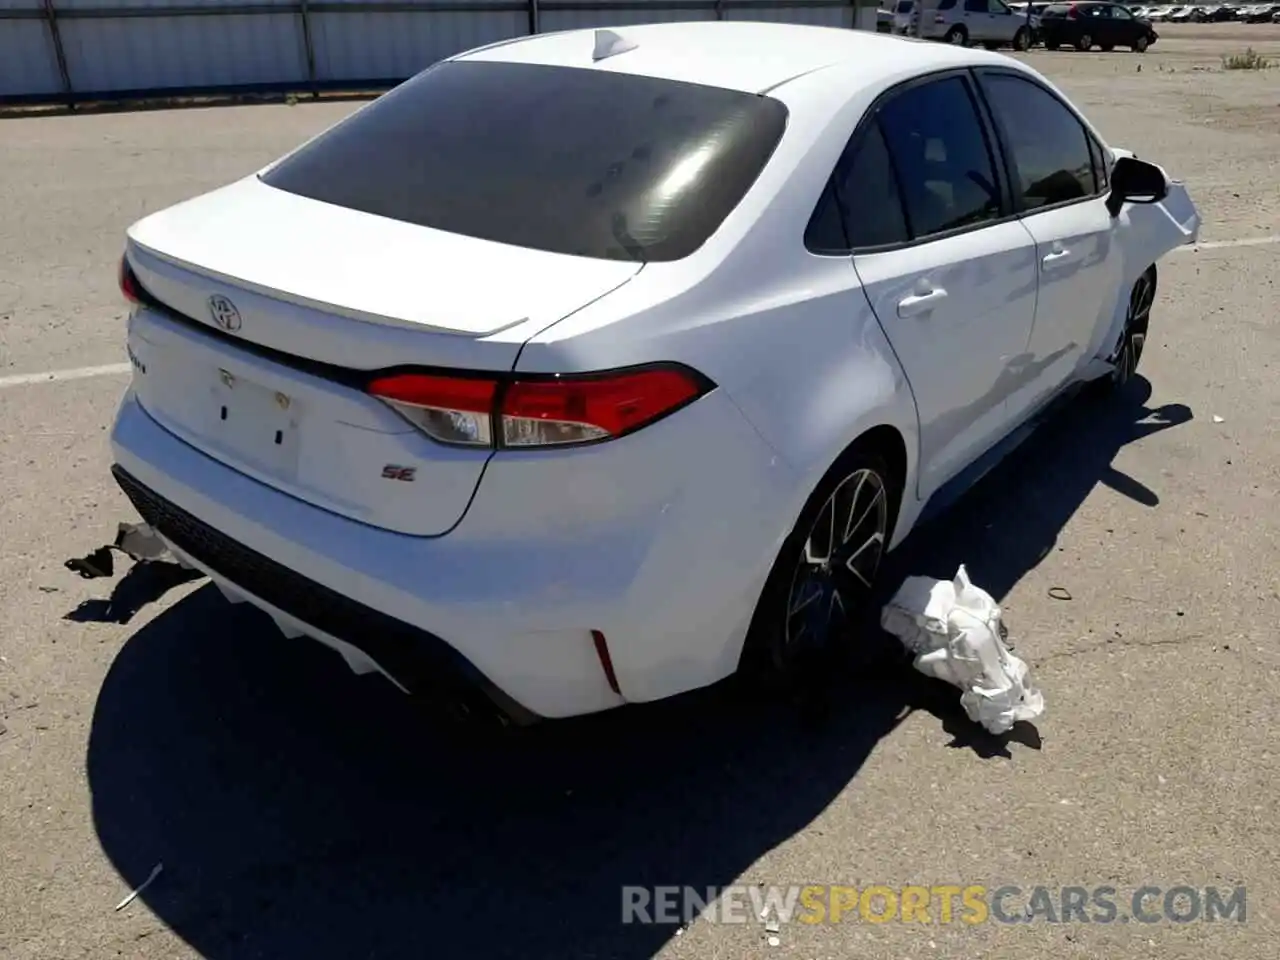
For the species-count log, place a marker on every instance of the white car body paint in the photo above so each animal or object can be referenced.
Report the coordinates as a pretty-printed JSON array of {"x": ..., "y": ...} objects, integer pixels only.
[{"x": 661, "y": 540}]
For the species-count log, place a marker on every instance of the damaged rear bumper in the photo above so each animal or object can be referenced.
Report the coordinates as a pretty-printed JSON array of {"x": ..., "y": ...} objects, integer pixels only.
[{"x": 416, "y": 660}]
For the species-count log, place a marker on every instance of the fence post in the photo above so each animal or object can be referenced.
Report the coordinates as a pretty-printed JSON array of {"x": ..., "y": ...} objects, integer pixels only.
[
  {"x": 308, "y": 47},
  {"x": 51, "y": 18},
  {"x": 534, "y": 26}
]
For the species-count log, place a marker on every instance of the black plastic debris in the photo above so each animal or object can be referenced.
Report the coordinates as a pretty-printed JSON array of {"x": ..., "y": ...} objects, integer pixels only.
[
  {"x": 154, "y": 573},
  {"x": 93, "y": 565},
  {"x": 135, "y": 540}
]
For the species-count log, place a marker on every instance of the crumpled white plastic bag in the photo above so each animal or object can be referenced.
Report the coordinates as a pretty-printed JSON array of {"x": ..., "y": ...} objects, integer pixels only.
[{"x": 953, "y": 629}]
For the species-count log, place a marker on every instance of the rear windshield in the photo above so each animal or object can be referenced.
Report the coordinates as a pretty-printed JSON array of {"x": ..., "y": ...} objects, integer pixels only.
[{"x": 578, "y": 161}]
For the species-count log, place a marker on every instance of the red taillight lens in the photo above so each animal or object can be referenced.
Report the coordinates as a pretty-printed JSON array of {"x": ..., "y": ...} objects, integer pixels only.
[
  {"x": 579, "y": 409},
  {"x": 538, "y": 411},
  {"x": 129, "y": 283},
  {"x": 449, "y": 409}
]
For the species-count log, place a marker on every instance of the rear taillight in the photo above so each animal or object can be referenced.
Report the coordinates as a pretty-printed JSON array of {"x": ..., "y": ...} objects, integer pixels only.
[
  {"x": 129, "y": 283},
  {"x": 538, "y": 411},
  {"x": 448, "y": 409}
]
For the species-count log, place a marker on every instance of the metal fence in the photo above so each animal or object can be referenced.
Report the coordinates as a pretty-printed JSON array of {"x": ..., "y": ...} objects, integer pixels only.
[{"x": 69, "y": 51}]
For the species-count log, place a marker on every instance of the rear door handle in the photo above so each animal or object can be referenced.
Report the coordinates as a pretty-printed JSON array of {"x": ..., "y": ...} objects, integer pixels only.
[
  {"x": 919, "y": 303},
  {"x": 1058, "y": 256}
]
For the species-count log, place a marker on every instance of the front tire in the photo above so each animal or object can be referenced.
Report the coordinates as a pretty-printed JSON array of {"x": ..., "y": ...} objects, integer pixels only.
[
  {"x": 1140, "y": 45},
  {"x": 957, "y": 36},
  {"x": 1022, "y": 39},
  {"x": 822, "y": 578},
  {"x": 1137, "y": 322}
]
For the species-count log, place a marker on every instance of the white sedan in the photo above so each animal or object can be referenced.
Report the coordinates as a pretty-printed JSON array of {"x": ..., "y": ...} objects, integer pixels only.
[{"x": 589, "y": 368}]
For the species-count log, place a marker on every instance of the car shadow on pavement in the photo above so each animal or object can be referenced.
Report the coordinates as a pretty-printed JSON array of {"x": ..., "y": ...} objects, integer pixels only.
[{"x": 302, "y": 812}]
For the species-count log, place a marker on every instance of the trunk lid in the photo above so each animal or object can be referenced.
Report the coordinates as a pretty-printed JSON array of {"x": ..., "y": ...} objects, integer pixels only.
[{"x": 249, "y": 267}]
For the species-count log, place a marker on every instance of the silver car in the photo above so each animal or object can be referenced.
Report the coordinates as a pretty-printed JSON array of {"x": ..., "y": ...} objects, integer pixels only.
[{"x": 988, "y": 22}]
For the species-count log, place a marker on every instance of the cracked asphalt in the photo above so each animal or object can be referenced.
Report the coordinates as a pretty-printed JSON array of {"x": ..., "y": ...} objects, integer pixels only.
[{"x": 303, "y": 812}]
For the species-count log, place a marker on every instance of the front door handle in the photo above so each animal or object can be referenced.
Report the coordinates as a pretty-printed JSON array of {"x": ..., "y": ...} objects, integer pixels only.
[
  {"x": 1059, "y": 255},
  {"x": 918, "y": 303}
]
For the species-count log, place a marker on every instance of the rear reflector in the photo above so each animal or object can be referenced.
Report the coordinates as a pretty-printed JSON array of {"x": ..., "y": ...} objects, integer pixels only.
[
  {"x": 606, "y": 661},
  {"x": 539, "y": 411}
]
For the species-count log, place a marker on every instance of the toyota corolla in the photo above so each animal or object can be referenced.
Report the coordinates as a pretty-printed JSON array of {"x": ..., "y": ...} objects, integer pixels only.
[{"x": 589, "y": 368}]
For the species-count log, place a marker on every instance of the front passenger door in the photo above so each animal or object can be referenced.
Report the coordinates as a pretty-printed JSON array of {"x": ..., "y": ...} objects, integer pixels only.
[
  {"x": 953, "y": 284},
  {"x": 1060, "y": 185}
]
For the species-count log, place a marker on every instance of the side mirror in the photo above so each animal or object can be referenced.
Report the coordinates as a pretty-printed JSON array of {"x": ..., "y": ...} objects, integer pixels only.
[{"x": 1135, "y": 181}]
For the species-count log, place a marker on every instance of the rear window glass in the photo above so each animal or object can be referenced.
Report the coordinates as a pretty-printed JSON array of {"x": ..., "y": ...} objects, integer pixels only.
[{"x": 585, "y": 162}]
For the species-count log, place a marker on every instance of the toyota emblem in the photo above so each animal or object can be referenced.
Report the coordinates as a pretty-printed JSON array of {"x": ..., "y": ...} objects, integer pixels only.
[{"x": 224, "y": 313}]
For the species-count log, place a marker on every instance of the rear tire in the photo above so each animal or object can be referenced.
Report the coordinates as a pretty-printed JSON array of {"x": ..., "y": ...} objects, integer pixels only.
[
  {"x": 1022, "y": 39},
  {"x": 957, "y": 36},
  {"x": 824, "y": 574},
  {"x": 1084, "y": 43}
]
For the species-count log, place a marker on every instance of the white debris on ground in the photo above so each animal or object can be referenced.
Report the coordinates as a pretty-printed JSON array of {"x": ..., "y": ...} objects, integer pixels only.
[
  {"x": 953, "y": 630},
  {"x": 140, "y": 542},
  {"x": 155, "y": 872}
]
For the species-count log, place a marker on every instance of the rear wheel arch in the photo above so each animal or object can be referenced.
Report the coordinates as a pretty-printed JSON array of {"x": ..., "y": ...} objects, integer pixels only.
[{"x": 881, "y": 447}]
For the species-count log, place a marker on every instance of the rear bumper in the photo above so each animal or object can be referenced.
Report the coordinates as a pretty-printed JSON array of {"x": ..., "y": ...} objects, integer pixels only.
[
  {"x": 661, "y": 542},
  {"x": 418, "y": 661}
]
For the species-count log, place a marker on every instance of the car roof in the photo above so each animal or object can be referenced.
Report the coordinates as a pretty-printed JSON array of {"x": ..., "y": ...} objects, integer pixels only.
[{"x": 752, "y": 57}]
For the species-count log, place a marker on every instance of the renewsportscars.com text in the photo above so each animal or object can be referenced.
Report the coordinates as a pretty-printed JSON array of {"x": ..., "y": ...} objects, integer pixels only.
[{"x": 935, "y": 904}]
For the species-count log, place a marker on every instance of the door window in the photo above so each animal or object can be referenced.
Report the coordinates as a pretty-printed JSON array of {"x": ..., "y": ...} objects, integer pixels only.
[
  {"x": 1120, "y": 13},
  {"x": 1051, "y": 154},
  {"x": 941, "y": 156},
  {"x": 975, "y": 6},
  {"x": 861, "y": 207}
]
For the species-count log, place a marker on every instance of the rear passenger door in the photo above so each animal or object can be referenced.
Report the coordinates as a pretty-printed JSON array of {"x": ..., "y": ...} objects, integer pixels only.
[
  {"x": 949, "y": 272},
  {"x": 1059, "y": 178}
]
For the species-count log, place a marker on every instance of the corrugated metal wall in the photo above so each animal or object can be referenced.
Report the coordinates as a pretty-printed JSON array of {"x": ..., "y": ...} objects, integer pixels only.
[{"x": 69, "y": 50}]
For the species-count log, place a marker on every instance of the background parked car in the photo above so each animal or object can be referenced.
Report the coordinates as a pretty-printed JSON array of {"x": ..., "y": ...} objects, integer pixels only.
[
  {"x": 1265, "y": 13},
  {"x": 989, "y": 22},
  {"x": 1036, "y": 9},
  {"x": 902, "y": 16},
  {"x": 1089, "y": 24}
]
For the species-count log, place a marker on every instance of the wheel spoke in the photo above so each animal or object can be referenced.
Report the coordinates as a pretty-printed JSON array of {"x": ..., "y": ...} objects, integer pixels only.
[
  {"x": 849, "y": 526},
  {"x": 875, "y": 540},
  {"x": 814, "y": 593},
  {"x": 875, "y": 501},
  {"x": 836, "y": 602}
]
